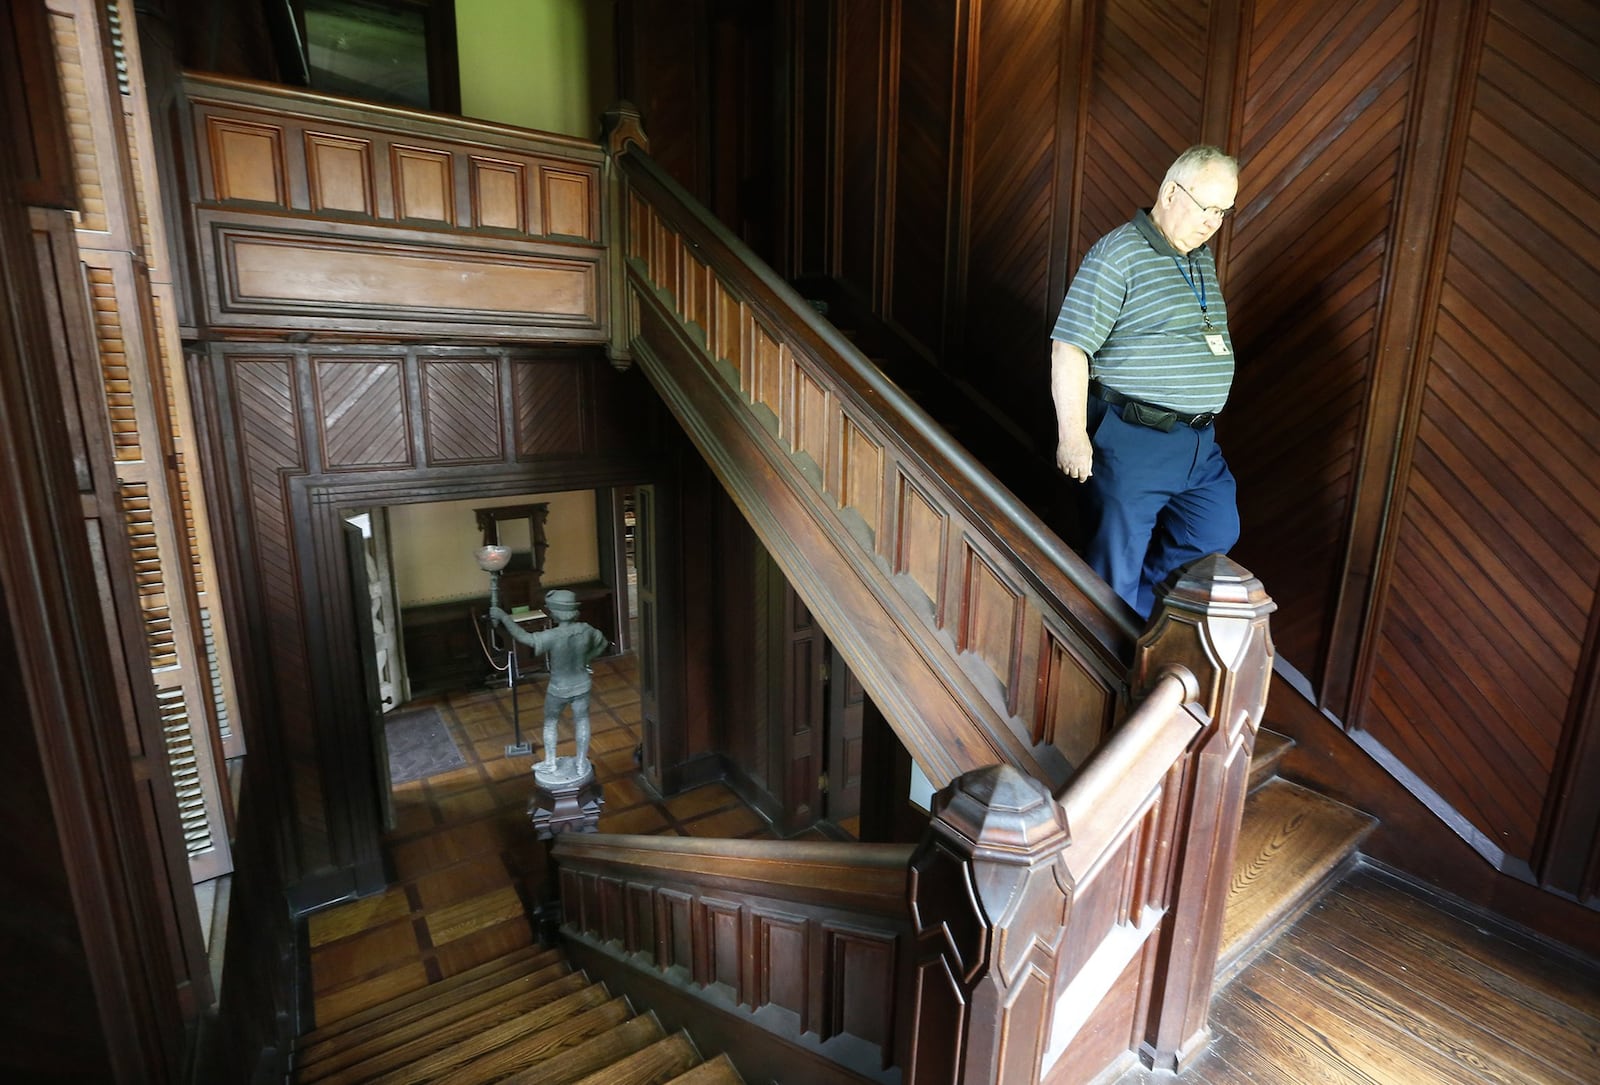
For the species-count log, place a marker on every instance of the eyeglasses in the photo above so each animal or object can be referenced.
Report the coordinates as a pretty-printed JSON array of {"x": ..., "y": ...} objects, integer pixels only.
[{"x": 1220, "y": 212}]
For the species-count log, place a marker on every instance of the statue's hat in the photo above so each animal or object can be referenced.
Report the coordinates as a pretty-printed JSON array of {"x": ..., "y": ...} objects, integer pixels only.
[{"x": 561, "y": 602}]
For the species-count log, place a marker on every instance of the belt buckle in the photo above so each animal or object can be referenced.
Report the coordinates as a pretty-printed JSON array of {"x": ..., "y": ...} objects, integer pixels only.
[{"x": 1201, "y": 421}]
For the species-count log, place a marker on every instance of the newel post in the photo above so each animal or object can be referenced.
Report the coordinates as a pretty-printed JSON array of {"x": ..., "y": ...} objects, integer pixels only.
[
  {"x": 1214, "y": 622},
  {"x": 989, "y": 898},
  {"x": 622, "y": 126}
]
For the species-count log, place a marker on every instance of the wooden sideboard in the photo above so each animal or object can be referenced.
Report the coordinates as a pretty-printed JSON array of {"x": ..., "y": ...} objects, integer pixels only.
[{"x": 443, "y": 650}]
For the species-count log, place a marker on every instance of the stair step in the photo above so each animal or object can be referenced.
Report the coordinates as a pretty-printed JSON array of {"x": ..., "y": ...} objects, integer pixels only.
[
  {"x": 359, "y": 1057},
  {"x": 654, "y": 1065},
  {"x": 596, "y": 1054},
  {"x": 717, "y": 1071},
  {"x": 1268, "y": 754},
  {"x": 463, "y": 984},
  {"x": 530, "y": 1049},
  {"x": 1292, "y": 843}
]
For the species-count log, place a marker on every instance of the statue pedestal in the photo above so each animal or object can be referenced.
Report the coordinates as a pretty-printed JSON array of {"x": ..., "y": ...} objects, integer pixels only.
[{"x": 565, "y": 799}]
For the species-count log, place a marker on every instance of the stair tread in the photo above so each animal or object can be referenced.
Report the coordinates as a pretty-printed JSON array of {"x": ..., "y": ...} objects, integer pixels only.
[
  {"x": 521, "y": 962},
  {"x": 1291, "y": 841},
  {"x": 1269, "y": 752},
  {"x": 420, "y": 1032},
  {"x": 597, "y": 1053},
  {"x": 717, "y": 1071},
  {"x": 518, "y": 1052},
  {"x": 654, "y": 1065}
]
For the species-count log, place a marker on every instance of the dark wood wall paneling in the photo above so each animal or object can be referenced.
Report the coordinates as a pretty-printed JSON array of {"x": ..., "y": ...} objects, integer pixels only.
[
  {"x": 1324, "y": 100},
  {"x": 1499, "y": 530},
  {"x": 1412, "y": 278},
  {"x": 855, "y": 210},
  {"x": 929, "y": 48},
  {"x": 311, "y": 430},
  {"x": 1015, "y": 225},
  {"x": 664, "y": 73}
]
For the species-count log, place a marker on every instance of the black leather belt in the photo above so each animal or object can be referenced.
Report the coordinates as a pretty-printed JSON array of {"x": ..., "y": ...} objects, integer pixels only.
[{"x": 1149, "y": 414}]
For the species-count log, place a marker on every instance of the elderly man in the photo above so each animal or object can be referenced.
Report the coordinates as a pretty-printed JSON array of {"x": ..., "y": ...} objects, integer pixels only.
[
  {"x": 571, "y": 646},
  {"x": 1141, "y": 363}
]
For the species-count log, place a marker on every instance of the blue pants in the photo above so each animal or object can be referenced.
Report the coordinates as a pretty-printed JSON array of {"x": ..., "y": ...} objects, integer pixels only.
[{"x": 1155, "y": 502}]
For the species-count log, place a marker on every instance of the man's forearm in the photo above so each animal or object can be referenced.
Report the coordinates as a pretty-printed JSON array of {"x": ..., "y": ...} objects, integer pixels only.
[{"x": 1069, "y": 388}]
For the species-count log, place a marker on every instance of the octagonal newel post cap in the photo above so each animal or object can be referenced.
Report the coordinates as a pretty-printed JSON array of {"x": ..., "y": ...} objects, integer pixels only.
[
  {"x": 1219, "y": 586},
  {"x": 623, "y": 124},
  {"x": 1005, "y": 814}
]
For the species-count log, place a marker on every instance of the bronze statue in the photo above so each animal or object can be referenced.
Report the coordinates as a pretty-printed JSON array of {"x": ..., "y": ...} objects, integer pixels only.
[{"x": 570, "y": 646}]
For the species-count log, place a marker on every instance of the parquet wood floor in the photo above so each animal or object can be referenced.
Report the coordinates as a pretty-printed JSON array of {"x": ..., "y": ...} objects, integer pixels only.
[{"x": 467, "y": 869}]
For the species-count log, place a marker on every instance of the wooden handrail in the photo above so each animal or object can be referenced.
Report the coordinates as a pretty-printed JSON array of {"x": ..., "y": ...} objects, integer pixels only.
[
  {"x": 1053, "y": 914},
  {"x": 870, "y": 878},
  {"x": 1059, "y": 569},
  {"x": 801, "y": 944},
  {"x": 980, "y": 635},
  {"x": 1111, "y": 790}
]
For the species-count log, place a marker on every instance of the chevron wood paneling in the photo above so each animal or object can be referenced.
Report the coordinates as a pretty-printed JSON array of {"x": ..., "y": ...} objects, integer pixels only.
[
  {"x": 547, "y": 396},
  {"x": 461, "y": 405},
  {"x": 1500, "y": 538},
  {"x": 1410, "y": 277},
  {"x": 266, "y": 418},
  {"x": 1325, "y": 97},
  {"x": 361, "y": 407}
]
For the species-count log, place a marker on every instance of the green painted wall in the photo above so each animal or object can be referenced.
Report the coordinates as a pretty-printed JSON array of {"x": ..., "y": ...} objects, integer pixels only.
[{"x": 545, "y": 64}]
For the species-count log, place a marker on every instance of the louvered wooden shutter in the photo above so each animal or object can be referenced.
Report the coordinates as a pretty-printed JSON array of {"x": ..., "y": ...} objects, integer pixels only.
[{"x": 146, "y": 413}]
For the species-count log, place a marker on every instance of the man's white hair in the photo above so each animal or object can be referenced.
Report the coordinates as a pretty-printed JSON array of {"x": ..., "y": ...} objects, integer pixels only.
[{"x": 1196, "y": 160}]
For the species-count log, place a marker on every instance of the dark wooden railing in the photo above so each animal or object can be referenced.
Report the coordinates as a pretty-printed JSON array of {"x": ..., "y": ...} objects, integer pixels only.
[
  {"x": 1030, "y": 936},
  {"x": 978, "y": 633},
  {"x": 804, "y": 944}
]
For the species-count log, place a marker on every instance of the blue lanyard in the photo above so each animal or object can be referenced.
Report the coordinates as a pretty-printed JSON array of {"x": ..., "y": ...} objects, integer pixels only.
[{"x": 1199, "y": 292}]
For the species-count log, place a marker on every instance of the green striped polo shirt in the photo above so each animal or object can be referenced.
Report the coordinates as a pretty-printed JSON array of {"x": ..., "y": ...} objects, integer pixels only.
[{"x": 1134, "y": 313}]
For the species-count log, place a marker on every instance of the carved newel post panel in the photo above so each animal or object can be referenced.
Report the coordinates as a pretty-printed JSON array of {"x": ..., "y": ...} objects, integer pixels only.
[
  {"x": 989, "y": 898},
  {"x": 1213, "y": 622}
]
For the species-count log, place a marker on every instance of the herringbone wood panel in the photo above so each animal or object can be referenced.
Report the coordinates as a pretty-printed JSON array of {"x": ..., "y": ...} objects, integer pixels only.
[
  {"x": 359, "y": 402},
  {"x": 1501, "y": 503},
  {"x": 463, "y": 411}
]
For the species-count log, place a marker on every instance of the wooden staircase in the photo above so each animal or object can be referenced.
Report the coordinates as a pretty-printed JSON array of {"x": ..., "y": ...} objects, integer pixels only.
[
  {"x": 529, "y": 1018},
  {"x": 1293, "y": 844},
  {"x": 525, "y": 1019}
]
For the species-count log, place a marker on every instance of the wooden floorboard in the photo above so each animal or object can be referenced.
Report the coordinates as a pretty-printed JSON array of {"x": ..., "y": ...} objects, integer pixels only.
[{"x": 1381, "y": 982}]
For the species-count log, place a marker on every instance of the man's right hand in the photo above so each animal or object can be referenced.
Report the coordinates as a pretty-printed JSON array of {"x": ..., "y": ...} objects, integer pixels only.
[
  {"x": 495, "y": 614},
  {"x": 1075, "y": 456}
]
